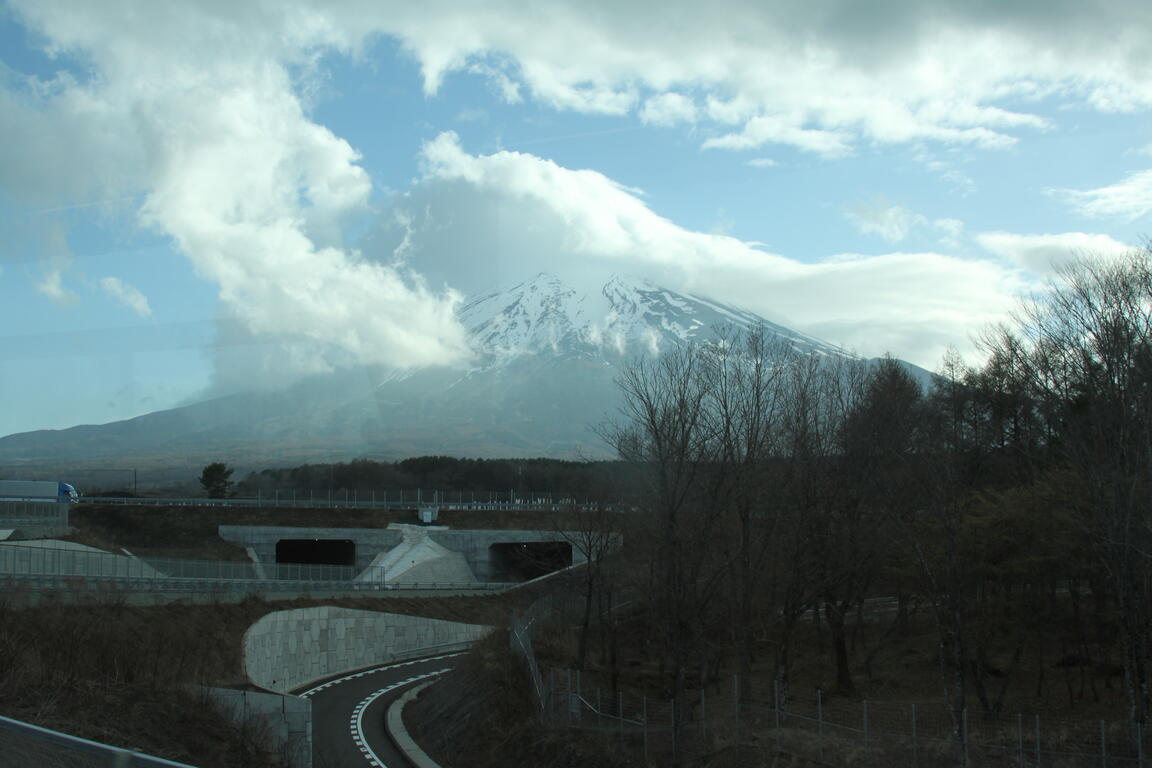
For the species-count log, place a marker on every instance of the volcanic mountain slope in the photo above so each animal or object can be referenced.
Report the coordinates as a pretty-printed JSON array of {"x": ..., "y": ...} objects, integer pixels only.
[{"x": 542, "y": 377}]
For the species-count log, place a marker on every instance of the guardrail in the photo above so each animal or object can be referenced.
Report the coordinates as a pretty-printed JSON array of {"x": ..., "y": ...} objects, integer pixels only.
[
  {"x": 26, "y": 744},
  {"x": 110, "y": 584},
  {"x": 445, "y": 500}
]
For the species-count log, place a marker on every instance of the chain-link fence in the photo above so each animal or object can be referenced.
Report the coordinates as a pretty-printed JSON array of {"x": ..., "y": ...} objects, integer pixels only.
[
  {"x": 831, "y": 730},
  {"x": 834, "y": 730},
  {"x": 23, "y": 744},
  {"x": 344, "y": 498},
  {"x": 32, "y": 517}
]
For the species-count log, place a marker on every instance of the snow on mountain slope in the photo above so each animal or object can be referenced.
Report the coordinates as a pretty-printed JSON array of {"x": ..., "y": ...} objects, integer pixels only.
[
  {"x": 543, "y": 376},
  {"x": 626, "y": 317}
]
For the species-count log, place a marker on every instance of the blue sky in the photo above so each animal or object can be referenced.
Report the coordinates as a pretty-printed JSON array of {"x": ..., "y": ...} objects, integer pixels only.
[{"x": 201, "y": 197}]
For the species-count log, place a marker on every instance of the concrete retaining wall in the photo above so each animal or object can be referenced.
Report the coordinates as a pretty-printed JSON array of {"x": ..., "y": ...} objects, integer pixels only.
[
  {"x": 285, "y": 721},
  {"x": 474, "y": 545},
  {"x": 286, "y": 650}
]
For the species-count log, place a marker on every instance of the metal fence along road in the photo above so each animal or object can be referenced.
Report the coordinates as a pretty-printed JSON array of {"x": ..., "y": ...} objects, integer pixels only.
[
  {"x": 383, "y": 499},
  {"x": 79, "y": 569},
  {"x": 23, "y": 744},
  {"x": 816, "y": 728}
]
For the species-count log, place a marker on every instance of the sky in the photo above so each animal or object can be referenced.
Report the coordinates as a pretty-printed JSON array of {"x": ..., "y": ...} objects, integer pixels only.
[{"x": 207, "y": 196}]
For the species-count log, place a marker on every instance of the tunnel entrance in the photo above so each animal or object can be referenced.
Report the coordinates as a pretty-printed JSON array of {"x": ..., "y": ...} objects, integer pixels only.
[
  {"x": 521, "y": 561},
  {"x": 316, "y": 551}
]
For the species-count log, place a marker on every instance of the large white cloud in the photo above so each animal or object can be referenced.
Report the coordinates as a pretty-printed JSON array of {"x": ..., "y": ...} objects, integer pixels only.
[
  {"x": 1044, "y": 254},
  {"x": 197, "y": 107},
  {"x": 819, "y": 76},
  {"x": 523, "y": 213}
]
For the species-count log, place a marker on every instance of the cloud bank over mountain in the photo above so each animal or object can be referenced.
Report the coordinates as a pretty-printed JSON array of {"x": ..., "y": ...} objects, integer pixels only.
[{"x": 196, "y": 121}]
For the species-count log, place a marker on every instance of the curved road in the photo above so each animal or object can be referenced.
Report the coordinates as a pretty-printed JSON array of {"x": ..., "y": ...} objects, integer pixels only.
[{"x": 348, "y": 712}]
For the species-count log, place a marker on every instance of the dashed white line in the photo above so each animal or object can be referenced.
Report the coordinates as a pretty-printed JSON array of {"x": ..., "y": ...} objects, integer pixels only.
[
  {"x": 374, "y": 670},
  {"x": 358, "y": 715}
]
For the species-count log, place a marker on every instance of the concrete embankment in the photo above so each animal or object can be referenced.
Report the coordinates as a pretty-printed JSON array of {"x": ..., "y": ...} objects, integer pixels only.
[{"x": 288, "y": 649}]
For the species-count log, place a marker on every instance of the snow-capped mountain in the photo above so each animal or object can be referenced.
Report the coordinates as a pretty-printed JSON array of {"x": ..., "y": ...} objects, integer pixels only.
[
  {"x": 624, "y": 318},
  {"x": 542, "y": 377}
]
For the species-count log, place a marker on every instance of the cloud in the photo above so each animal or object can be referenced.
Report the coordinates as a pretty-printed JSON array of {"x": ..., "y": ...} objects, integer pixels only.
[
  {"x": 763, "y": 162},
  {"x": 52, "y": 286},
  {"x": 1128, "y": 199},
  {"x": 895, "y": 223},
  {"x": 890, "y": 222},
  {"x": 198, "y": 108},
  {"x": 668, "y": 109},
  {"x": 1044, "y": 254},
  {"x": 127, "y": 295},
  {"x": 513, "y": 213},
  {"x": 761, "y": 130},
  {"x": 822, "y": 77}
]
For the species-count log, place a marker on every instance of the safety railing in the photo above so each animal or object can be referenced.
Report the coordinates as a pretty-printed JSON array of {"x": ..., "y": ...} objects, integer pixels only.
[
  {"x": 24, "y": 744},
  {"x": 79, "y": 568},
  {"x": 375, "y": 499}
]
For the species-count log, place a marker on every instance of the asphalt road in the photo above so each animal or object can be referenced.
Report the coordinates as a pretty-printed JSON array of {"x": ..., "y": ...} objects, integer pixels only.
[{"x": 348, "y": 713}]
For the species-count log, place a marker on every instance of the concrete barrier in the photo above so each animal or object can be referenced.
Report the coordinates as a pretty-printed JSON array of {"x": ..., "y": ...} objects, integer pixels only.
[
  {"x": 399, "y": 732},
  {"x": 284, "y": 721},
  {"x": 286, "y": 650}
]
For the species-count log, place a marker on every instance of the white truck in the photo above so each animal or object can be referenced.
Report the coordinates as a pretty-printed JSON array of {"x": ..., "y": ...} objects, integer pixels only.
[{"x": 37, "y": 490}]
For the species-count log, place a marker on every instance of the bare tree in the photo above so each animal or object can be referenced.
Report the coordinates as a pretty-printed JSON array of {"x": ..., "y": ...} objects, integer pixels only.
[{"x": 1083, "y": 351}]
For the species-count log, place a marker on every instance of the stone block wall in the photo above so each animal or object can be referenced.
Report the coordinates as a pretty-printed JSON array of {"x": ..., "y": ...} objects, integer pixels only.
[{"x": 287, "y": 650}]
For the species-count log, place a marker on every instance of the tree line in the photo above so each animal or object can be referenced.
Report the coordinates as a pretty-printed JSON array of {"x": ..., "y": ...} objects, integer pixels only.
[
  {"x": 364, "y": 476},
  {"x": 771, "y": 486}
]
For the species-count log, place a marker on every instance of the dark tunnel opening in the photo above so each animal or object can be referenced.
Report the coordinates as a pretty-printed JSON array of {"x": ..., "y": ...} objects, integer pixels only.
[
  {"x": 316, "y": 551},
  {"x": 521, "y": 561}
]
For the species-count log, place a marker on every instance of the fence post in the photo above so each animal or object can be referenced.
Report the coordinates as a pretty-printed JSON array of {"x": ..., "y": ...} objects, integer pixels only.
[
  {"x": 820, "y": 720},
  {"x": 620, "y": 713},
  {"x": 703, "y": 716},
  {"x": 1020, "y": 738},
  {"x": 736, "y": 696},
  {"x": 1037, "y": 741},
  {"x": 776, "y": 703},
  {"x": 964, "y": 731},
  {"x": 644, "y": 711},
  {"x": 579, "y": 699},
  {"x": 915, "y": 748}
]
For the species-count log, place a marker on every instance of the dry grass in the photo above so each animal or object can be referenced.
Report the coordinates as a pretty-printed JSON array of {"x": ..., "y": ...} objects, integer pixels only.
[
  {"x": 128, "y": 676},
  {"x": 482, "y": 715},
  {"x": 125, "y": 675}
]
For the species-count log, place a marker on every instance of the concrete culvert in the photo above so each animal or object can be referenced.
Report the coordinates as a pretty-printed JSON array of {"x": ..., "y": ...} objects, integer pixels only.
[
  {"x": 316, "y": 551},
  {"x": 524, "y": 560}
]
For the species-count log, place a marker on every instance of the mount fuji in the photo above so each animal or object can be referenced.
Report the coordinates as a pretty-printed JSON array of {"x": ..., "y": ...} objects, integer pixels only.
[{"x": 541, "y": 377}]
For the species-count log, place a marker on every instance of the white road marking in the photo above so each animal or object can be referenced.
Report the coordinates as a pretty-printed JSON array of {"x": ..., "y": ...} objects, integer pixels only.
[
  {"x": 358, "y": 715},
  {"x": 374, "y": 670}
]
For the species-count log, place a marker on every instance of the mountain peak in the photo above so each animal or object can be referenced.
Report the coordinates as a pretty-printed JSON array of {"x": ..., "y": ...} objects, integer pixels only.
[{"x": 625, "y": 317}]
